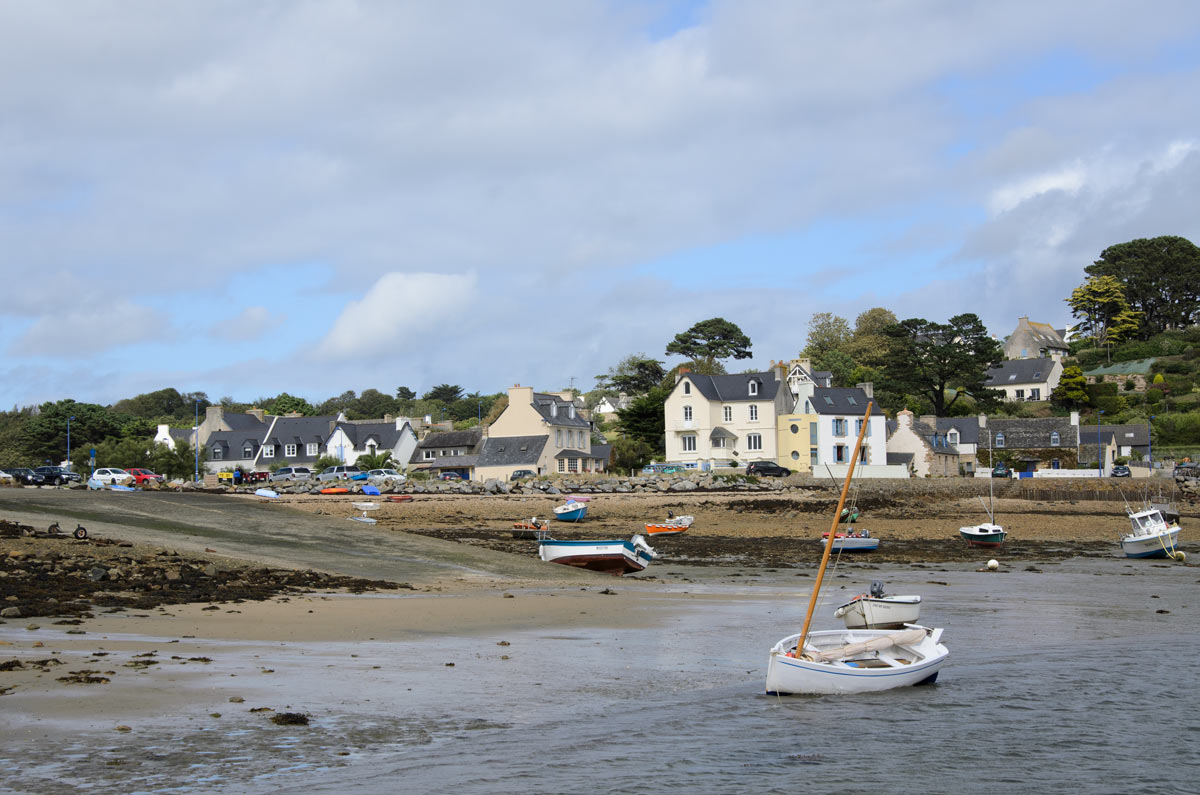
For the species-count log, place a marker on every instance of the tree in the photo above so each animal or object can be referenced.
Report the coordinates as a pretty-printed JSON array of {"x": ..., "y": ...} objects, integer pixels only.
[
  {"x": 927, "y": 359},
  {"x": 868, "y": 348},
  {"x": 839, "y": 363},
  {"x": 380, "y": 460},
  {"x": 1071, "y": 392},
  {"x": 636, "y": 374},
  {"x": 404, "y": 393},
  {"x": 285, "y": 404},
  {"x": 371, "y": 404},
  {"x": 709, "y": 341},
  {"x": 1103, "y": 311},
  {"x": 826, "y": 332},
  {"x": 1161, "y": 277},
  {"x": 644, "y": 418},
  {"x": 631, "y": 454},
  {"x": 446, "y": 393}
]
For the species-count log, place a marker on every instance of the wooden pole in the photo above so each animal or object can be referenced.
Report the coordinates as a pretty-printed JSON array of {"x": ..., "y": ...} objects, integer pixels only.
[{"x": 837, "y": 515}]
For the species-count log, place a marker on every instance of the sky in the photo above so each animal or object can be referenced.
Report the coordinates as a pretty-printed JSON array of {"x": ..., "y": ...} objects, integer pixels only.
[{"x": 248, "y": 197}]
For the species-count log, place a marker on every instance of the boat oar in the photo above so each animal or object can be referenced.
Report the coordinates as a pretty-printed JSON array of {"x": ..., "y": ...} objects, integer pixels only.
[{"x": 837, "y": 517}]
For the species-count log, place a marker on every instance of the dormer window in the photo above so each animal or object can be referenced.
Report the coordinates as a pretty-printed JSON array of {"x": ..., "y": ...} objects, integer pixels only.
[
  {"x": 753, "y": 387},
  {"x": 571, "y": 411},
  {"x": 1000, "y": 439},
  {"x": 1055, "y": 440},
  {"x": 554, "y": 409},
  {"x": 952, "y": 437}
]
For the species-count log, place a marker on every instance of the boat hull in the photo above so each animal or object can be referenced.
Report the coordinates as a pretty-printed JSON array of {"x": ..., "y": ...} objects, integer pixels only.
[
  {"x": 609, "y": 557},
  {"x": 572, "y": 515},
  {"x": 888, "y": 612},
  {"x": 672, "y": 527},
  {"x": 855, "y": 544},
  {"x": 988, "y": 536},
  {"x": 909, "y": 665},
  {"x": 1152, "y": 545}
]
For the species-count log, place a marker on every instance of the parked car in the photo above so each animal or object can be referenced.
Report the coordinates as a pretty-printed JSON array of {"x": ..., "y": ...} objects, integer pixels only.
[
  {"x": 58, "y": 475},
  {"x": 671, "y": 470},
  {"x": 451, "y": 476},
  {"x": 112, "y": 475},
  {"x": 385, "y": 476},
  {"x": 768, "y": 469},
  {"x": 141, "y": 476},
  {"x": 340, "y": 472},
  {"x": 26, "y": 476},
  {"x": 1001, "y": 470},
  {"x": 1120, "y": 471},
  {"x": 257, "y": 477},
  {"x": 290, "y": 473},
  {"x": 6, "y": 478},
  {"x": 521, "y": 474}
]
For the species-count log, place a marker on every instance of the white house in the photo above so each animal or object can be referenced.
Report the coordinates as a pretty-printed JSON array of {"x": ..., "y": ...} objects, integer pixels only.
[
  {"x": 724, "y": 420},
  {"x": 1025, "y": 379},
  {"x": 350, "y": 439}
]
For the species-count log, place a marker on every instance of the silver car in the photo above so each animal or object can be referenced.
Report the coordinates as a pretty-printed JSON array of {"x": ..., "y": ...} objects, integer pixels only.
[
  {"x": 340, "y": 472},
  {"x": 385, "y": 476},
  {"x": 291, "y": 473}
]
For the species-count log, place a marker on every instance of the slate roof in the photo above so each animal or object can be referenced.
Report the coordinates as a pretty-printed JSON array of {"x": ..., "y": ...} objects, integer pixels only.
[
  {"x": 562, "y": 411},
  {"x": 1126, "y": 435},
  {"x": 512, "y": 450},
  {"x": 570, "y": 453},
  {"x": 301, "y": 430},
  {"x": 899, "y": 458},
  {"x": 846, "y": 401},
  {"x": 450, "y": 462},
  {"x": 244, "y": 422},
  {"x": 1019, "y": 371},
  {"x": 1030, "y": 433},
  {"x": 603, "y": 452},
  {"x": 385, "y": 433},
  {"x": 468, "y": 438},
  {"x": 967, "y": 427},
  {"x": 934, "y": 438},
  {"x": 731, "y": 388}
]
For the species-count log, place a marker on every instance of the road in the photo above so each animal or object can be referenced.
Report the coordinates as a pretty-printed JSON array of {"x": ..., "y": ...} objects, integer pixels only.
[{"x": 254, "y": 529}]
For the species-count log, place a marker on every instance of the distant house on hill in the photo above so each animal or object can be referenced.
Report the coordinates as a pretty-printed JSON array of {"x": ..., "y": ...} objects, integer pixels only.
[
  {"x": 1025, "y": 379},
  {"x": 1035, "y": 341}
]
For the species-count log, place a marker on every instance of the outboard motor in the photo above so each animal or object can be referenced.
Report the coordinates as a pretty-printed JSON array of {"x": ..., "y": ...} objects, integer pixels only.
[{"x": 876, "y": 589}]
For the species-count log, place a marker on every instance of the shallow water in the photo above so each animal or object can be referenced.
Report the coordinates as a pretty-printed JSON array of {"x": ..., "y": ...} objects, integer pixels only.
[{"x": 1065, "y": 678}]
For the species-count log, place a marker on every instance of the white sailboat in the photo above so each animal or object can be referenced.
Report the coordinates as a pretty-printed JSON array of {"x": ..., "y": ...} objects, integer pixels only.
[
  {"x": 988, "y": 534},
  {"x": 852, "y": 660}
]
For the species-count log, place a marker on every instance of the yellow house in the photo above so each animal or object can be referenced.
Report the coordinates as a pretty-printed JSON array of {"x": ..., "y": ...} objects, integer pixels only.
[
  {"x": 796, "y": 441},
  {"x": 543, "y": 432}
]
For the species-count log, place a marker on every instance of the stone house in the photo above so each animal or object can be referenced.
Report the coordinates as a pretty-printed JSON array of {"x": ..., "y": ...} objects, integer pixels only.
[
  {"x": 1030, "y": 444},
  {"x": 1035, "y": 341},
  {"x": 928, "y": 450},
  {"x": 449, "y": 451}
]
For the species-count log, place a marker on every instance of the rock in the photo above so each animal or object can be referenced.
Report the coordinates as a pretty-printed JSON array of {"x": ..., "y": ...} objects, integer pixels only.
[
  {"x": 10, "y": 612},
  {"x": 97, "y": 573},
  {"x": 683, "y": 485}
]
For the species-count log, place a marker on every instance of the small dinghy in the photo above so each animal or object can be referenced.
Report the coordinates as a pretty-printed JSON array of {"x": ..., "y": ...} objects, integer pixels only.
[
  {"x": 570, "y": 512},
  {"x": 399, "y": 498},
  {"x": 673, "y": 526},
  {"x": 268, "y": 493},
  {"x": 534, "y": 528},
  {"x": 853, "y": 541},
  {"x": 875, "y": 610},
  {"x": 365, "y": 507}
]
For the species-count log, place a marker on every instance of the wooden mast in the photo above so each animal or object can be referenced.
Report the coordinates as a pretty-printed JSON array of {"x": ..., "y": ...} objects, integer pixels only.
[{"x": 837, "y": 516}]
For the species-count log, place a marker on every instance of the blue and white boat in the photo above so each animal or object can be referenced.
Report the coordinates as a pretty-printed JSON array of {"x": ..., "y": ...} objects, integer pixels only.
[
  {"x": 570, "y": 512},
  {"x": 611, "y": 557},
  {"x": 1150, "y": 535}
]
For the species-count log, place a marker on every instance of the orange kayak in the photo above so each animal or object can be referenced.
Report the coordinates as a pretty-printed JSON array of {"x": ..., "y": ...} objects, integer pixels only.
[{"x": 335, "y": 491}]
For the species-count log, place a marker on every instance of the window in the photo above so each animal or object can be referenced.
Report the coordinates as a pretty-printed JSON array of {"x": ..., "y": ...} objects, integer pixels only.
[
  {"x": 1019, "y": 394},
  {"x": 1035, "y": 394},
  {"x": 554, "y": 409},
  {"x": 839, "y": 426},
  {"x": 558, "y": 438},
  {"x": 572, "y": 464},
  {"x": 289, "y": 450},
  {"x": 850, "y": 399},
  {"x": 311, "y": 449},
  {"x": 687, "y": 387},
  {"x": 371, "y": 448},
  {"x": 570, "y": 438},
  {"x": 753, "y": 387},
  {"x": 753, "y": 412},
  {"x": 429, "y": 455},
  {"x": 857, "y": 427},
  {"x": 754, "y": 441},
  {"x": 268, "y": 451},
  {"x": 839, "y": 454},
  {"x": 795, "y": 428},
  {"x": 812, "y": 457},
  {"x": 689, "y": 442},
  {"x": 687, "y": 413},
  {"x": 812, "y": 433},
  {"x": 828, "y": 400},
  {"x": 952, "y": 437},
  {"x": 217, "y": 453},
  {"x": 562, "y": 465},
  {"x": 862, "y": 455},
  {"x": 795, "y": 455},
  {"x": 571, "y": 411},
  {"x": 728, "y": 414},
  {"x": 719, "y": 442},
  {"x": 247, "y": 452},
  {"x": 1055, "y": 441},
  {"x": 1000, "y": 439}
]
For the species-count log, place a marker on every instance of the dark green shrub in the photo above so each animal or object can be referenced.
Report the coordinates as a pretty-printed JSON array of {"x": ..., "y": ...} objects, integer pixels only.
[{"x": 1153, "y": 396}]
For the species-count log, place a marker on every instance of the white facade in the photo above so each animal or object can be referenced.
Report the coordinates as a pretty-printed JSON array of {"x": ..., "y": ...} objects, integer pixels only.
[
  {"x": 836, "y": 435},
  {"x": 711, "y": 431}
]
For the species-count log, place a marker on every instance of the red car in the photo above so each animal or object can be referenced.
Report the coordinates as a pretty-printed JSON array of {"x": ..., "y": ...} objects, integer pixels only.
[{"x": 140, "y": 476}]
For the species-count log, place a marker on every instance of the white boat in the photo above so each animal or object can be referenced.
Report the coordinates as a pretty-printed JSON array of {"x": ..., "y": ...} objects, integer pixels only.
[
  {"x": 852, "y": 660},
  {"x": 1150, "y": 535},
  {"x": 611, "y": 557},
  {"x": 365, "y": 507},
  {"x": 875, "y": 610},
  {"x": 853, "y": 542},
  {"x": 983, "y": 535}
]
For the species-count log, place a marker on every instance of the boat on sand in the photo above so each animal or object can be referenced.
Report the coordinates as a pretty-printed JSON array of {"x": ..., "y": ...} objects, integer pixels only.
[
  {"x": 1150, "y": 535},
  {"x": 673, "y": 526},
  {"x": 876, "y": 610},
  {"x": 852, "y": 660},
  {"x": 611, "y": 557}
]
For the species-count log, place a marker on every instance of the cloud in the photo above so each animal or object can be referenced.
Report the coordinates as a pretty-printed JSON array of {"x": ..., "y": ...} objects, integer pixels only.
[
  {"x": 252, "y": 323},
  {"x": 402, "y": 309},
  {"x": 76, "y": 332}
]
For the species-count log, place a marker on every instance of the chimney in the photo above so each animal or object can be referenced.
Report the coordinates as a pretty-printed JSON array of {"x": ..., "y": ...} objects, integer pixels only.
[
  {"x": 982, "y": 420},
  {"x": 1075, "y": 418},
  {"x": 388, "y": 417},
  {"x": 868, "y": 388},
  {"x": 215, "y": 413},
  {"x": 930, "y": 420},
  {"x": 904, "y": 419},
  {"x": 806, "y": 365},
  {"x": 257, "y": 413}
]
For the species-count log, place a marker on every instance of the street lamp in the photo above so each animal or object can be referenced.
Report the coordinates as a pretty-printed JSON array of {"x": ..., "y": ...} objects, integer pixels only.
[
  {"x": 479, "y": 413},
  {"x": 1150, "y": 442},
  {"x": 196, "y": 442},
  {"x": 69, "y": 442},
  {"x": 1099, "y": 454}
]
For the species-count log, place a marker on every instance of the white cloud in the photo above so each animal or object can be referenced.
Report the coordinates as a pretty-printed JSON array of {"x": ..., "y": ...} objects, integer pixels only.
[
  {"x": 73, "y": 331},
  {"x": 402, "y": 309}
]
